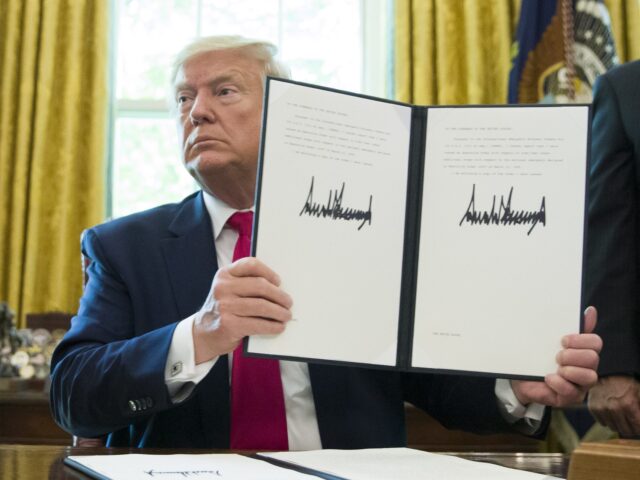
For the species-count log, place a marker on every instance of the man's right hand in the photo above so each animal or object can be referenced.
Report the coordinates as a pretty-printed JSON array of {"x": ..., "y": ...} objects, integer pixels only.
[
  {"x": 245, "y": 299},
  {"x": 615, "y": 403}
]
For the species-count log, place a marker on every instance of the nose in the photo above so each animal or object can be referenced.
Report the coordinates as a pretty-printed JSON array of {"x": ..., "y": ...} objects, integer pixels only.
[{"x": 202, "y": 110}]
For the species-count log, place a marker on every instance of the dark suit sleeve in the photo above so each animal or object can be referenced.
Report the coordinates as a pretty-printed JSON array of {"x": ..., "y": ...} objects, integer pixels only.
[
  {"x": 612, "y": 245},
  {"x": 102, "y": 357},
  {"x": 459, "y": 402}
]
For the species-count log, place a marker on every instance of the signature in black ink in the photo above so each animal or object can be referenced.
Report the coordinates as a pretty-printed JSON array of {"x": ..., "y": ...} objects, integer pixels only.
[
  {"x": 504, "y": 215},
  {"x": 184, "y": 473},
  {"x": 333, "y": 208}
]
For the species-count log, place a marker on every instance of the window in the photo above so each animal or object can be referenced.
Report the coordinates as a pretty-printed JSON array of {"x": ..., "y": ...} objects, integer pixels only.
[{"x": 338, "y": 43}]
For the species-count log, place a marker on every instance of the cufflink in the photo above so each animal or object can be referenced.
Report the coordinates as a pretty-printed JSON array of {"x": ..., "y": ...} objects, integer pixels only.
[{"x": 176, "y": 368}]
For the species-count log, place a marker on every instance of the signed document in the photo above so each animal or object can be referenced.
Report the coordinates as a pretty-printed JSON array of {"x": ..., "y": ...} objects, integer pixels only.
[
  {"x": 422, "y": 238},
  {"x": 366, "y": 464},
  {"x": 179, "y": 467},
  {"x": 399, "y": 463}
]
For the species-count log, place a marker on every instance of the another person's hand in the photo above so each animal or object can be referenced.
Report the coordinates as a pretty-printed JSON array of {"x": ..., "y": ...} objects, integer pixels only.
[
  {"x": 577, "y": 370},
  {"x": 245, "y": 299},
  {"x": 615, "y": 403}
]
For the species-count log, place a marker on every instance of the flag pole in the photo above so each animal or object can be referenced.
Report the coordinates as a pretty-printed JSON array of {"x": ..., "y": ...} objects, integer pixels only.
[{"x": 568, "y": 41}]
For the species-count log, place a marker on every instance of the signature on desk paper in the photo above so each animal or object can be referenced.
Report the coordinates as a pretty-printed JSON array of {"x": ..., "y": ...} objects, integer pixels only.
[{"x": 184, "y": 473}]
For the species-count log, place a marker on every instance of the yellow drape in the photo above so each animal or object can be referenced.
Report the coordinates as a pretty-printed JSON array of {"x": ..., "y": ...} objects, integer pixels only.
[
  {"x": 53, "y": 120},
  {"x": 453, "y": 52},
  {"x": 625, "y": 23},
  {"x": 458, "y": 52}
]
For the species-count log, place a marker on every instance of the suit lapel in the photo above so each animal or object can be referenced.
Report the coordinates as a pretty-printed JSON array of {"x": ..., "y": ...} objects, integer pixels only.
[
  {"x": 323, "y": 388},
  {"x": 190, "y": 257}
]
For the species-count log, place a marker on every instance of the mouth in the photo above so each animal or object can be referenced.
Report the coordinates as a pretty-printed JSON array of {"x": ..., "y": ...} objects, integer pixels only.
[
  {"x": 203, "y": 142},
  {"x": 203, "y": 139}
]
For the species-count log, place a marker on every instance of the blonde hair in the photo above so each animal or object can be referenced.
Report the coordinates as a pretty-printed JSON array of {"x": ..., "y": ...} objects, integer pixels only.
[{"x": 260, "y": 50}]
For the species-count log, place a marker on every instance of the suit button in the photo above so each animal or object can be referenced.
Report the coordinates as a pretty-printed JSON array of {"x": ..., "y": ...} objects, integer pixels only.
[
  {"x": 138, "y": 404},
  {"x": 132, "y": 406},
  {"x": 149, "y": 402}
]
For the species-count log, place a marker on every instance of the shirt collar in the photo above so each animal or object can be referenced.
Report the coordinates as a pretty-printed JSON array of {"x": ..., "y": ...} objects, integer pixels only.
[{"x": 219, "y": 212}]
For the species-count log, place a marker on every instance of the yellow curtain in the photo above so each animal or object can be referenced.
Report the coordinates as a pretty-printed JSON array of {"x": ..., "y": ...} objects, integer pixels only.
[
  {"x": 453, "y": 52},
  {"x": 458, "y": 52},
  {"x": 625, "y": 23},
  {"x": 53, "y": 121}
]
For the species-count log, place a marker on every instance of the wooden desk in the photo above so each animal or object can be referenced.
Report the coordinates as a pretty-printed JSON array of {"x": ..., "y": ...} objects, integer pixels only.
[
  {"x": 26, "y": 462},
  {"x": 425, "y": 433},
  {"x": 25, "y": 418}
]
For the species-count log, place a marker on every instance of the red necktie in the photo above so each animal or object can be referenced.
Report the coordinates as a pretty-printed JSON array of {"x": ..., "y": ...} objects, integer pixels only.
[{"x": 258, "y": 418}]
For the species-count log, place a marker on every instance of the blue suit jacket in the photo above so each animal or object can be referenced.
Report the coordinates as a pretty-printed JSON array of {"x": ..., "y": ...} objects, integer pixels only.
[
  {"x": 152, "y": 269},
  {"x": 613, "y": 246}
]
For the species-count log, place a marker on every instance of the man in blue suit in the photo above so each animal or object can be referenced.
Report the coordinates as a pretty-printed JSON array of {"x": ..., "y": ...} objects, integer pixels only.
[
  {"x": 613, "y": 248},
  {"x": 146, "y": 360}
]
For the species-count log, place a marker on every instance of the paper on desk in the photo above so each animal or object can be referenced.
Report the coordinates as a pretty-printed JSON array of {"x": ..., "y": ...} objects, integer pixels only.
[
  {"x": 395, "y": 463},
  {"x": 179, "y": 467}
]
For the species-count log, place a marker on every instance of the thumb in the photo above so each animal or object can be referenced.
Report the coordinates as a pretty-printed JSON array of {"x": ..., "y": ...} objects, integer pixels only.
[{"x": 590, "y": 319}]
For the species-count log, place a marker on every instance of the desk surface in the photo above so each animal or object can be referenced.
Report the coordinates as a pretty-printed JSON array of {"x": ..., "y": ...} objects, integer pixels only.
[
  {"x": 25, "y": 419},
  {"x": 26, "y": 462}
]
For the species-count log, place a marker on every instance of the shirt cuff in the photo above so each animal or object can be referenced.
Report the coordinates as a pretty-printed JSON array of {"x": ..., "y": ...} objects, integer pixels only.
[
  {"x": 526, "y": 419},
  {"x": 181, "y": 374}
]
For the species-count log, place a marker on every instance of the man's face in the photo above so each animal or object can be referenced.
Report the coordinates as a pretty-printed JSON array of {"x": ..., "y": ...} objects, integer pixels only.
[{"x": 219, "y": 101}]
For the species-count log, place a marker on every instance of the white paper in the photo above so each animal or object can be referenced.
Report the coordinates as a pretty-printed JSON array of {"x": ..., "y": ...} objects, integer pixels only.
[
  {"x": 344, "y": 275},
  {"x": 498, "y": 297},
  {"x": 400, "y": 463},
  {"x": 179, "y": 467}
]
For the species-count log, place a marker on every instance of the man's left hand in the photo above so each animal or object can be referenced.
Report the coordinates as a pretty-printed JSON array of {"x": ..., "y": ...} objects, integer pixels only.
[{"x": 577, "y": 370}]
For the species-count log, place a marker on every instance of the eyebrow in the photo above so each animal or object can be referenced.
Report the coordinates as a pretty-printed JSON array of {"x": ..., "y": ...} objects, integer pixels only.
[{"x": 214, "y": 82}]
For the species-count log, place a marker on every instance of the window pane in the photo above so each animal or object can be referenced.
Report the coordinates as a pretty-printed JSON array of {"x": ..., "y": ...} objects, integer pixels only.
[
  {"x": 321, "y": 42},
  {"x": 250, "y": 18},
  {"x": 149, "y": 33},
  {"x": 147, "y": 170}
]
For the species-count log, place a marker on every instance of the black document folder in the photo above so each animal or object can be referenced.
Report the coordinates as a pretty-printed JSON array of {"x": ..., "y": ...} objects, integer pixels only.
[{"x": 422, "y": 238}]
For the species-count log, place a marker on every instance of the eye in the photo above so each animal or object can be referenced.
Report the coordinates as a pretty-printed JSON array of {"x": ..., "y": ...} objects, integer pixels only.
[
  {"x": 182, "y": 99},
  {"x": 227, "y": 91}
]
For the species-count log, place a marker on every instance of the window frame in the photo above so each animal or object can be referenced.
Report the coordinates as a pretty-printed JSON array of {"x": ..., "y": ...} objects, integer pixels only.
[{"x": 376, "y": 77}]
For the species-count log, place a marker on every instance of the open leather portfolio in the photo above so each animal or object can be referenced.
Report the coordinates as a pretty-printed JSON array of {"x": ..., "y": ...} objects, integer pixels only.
[{"x": 422, "y": 238}]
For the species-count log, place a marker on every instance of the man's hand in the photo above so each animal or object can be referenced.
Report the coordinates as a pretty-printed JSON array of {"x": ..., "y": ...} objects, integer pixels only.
[
  {"x": 245, "y": 299},
  {"x": 577, "y": 365},
  {"x": 615, "y": 403}
]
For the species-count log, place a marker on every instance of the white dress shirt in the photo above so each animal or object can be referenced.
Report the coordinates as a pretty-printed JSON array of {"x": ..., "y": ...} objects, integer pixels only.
[{"x": 182, "y": 374}]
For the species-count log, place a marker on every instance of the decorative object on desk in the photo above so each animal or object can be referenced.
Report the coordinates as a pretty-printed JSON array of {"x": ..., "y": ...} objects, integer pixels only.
[
  {"x": 613, "y": 460},
  {"x": 25, "y": 354},
  {"x": 8, "y": 336},
  {"x": 8, "y": 341}
]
